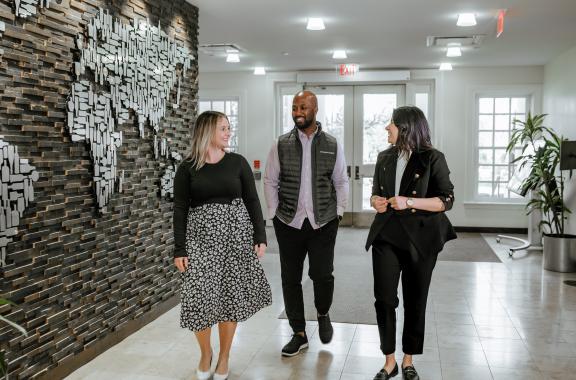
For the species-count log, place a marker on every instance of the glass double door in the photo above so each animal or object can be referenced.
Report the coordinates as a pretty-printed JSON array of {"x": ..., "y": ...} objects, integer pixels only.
[{"x": 357, "y": 117}]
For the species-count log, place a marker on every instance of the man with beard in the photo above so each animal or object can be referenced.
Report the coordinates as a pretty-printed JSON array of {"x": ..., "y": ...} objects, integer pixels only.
[{"x": 306, "y": 189}]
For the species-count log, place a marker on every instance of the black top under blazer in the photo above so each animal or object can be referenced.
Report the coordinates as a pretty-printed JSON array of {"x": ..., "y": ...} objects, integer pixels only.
[{"x": 426, "y": 176}]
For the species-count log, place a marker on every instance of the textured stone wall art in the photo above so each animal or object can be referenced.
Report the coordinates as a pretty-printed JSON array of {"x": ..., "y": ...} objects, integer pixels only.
[
  {"x": 139, "y": 64},
  {"x": 25, "y": 8},
  {"x": 162, "y": 150},
  {"x": 2, "y": 29},
  {"x": 82, "y": 278},
  {"x": 16, "y": 192}
]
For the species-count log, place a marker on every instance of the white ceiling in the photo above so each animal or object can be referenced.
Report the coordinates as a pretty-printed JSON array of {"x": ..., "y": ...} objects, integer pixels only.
[{"x": 381, "y": 34}]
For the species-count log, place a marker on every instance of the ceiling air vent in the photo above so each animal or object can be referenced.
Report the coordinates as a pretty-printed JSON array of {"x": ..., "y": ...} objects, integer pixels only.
[
  {"x": 473, "y": 41},
  {"x": 219, "y": 49}
]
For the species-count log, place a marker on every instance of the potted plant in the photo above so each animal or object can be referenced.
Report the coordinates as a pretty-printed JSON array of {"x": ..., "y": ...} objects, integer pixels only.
[
  {"x": 3, "y": 364},
  {"x": 537, "y": 148}
]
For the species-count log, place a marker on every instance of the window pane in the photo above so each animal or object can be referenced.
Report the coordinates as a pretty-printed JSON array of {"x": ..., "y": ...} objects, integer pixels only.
[
  {"x": 485, "y": 122},
  {"x": 501, "y": 173},
  {"x": 366, "y": 193},
  {"x": 516, "y": 119},
  {"x": 502, "y": 105},
  {"x": 518, "y": 105},
  {"x": 500, "y": 190},
  {"x": 501, "y": 139},
  {"x": 234, "y": 108},
  {"x": 502, "y": 122},
  {"x": 377, "y": 111},
  {"x": 421, "y": 101},
  {"x": 486, "y": 105},
  {"x": 485, "y": 189},
  {"x": 485, "y": 138},
  {"x": 218, "y": 106},
  {"x": 287, "y": 121},
  {"x": 331, "y": 115},
  {"x": 500, "y": 157},
  {"x": 485, "y": 156},
  {"x": 485, "y": 173},
  {"x": 204, "y": 106}
]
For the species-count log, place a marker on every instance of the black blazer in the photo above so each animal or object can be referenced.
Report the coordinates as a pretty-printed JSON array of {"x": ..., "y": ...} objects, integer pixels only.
[{"x": 426, "y": 176}]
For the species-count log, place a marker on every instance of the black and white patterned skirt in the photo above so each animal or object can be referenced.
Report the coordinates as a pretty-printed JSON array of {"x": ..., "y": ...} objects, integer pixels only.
[{"x": 224, "y": 280}]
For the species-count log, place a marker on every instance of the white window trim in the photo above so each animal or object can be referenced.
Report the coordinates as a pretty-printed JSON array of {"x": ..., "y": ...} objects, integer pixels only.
[
  {"x": 534, "y": 93},
  {"x": 239, "y": 95}
]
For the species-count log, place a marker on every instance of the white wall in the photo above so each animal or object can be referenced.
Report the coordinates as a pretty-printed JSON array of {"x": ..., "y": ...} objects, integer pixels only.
[
  {"x": 560, "y": 104},
  {"x": 452, "y": 125}
]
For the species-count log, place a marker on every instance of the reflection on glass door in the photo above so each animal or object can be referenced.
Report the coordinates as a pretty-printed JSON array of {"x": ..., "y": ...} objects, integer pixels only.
[
  {"x": 357, "y": 117},
  {"x": 373, "y": 106},
  {"x": 335, "y": 113}
]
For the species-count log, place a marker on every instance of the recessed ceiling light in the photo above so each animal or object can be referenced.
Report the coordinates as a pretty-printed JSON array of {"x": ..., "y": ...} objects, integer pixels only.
[
  {"x": 259, "y": 71},
  {"x": 339, "y": 54},
  {"x": 453, "y": 51},
  {"x": 315, "y": 23},
  {"x": 233, "y": 57},
  {"x": 445, "y": 66},
  {"x": 466, "y": 19}
]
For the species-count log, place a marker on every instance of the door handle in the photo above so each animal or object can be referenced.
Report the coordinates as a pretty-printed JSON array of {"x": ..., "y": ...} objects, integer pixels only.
[
  {"x": 356, "y": 172},
  {"x": 348, "y": 171}
]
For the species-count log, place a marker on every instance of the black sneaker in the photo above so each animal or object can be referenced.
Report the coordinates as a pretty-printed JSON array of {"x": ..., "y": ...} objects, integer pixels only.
[
  {"x": 296, "y": 344},
  {"x": 325, "y": 329}
]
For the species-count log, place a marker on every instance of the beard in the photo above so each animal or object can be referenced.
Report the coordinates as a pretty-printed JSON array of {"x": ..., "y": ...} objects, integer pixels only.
[{"x": 303, "y": 123}]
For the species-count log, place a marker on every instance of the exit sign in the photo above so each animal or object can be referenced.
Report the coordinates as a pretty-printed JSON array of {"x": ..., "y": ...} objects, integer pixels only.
[
  {"x": 500, "y": 23},
  {"x": 348, "y": 69}
]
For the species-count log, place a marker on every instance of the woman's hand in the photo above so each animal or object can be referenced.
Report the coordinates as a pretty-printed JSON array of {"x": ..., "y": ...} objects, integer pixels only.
[
  {"x": 181, "y": 263},
  {"x": 398, "y": 202},
  {"x": 380, "y": 204},
  {"x": 259, "y": 249}
]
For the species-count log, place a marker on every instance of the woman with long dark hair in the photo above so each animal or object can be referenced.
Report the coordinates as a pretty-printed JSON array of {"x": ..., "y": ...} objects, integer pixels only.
[
  {"x": 410, "y": 193},
  {"x": 219, "y": 235}
]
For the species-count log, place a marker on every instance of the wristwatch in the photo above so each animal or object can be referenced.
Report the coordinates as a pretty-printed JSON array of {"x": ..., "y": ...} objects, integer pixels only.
[{"x": 410, "y": 202}]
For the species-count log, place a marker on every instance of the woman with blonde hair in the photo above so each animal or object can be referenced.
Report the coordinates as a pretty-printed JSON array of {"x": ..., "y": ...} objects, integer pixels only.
[{"x": 219, "y": 236}]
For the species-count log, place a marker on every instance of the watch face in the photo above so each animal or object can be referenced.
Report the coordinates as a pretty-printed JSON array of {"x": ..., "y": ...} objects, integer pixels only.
[{"x": 410, "y": 202}]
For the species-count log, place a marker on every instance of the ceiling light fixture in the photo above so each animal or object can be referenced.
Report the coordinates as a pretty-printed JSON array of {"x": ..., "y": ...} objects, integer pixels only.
[
  {"x": 233, "y": 57},
  {"x": 315, "y": 23},
  {"x": 453, "y": 51},
  {"x": 466, "y": 19},
  {"x": 445, "y": 66},
  {"x": 339, "y": 54},
  {"x": 259, "y": 71}
]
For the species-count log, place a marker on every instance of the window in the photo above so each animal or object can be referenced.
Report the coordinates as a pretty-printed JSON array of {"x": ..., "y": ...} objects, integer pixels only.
[
  {"x": 493, "y": 168},
  {"x": 229, "y": 106}
]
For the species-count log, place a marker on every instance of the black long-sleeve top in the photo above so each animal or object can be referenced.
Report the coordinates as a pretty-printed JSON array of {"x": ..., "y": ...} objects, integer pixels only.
[{"x": 228, "y": 179}]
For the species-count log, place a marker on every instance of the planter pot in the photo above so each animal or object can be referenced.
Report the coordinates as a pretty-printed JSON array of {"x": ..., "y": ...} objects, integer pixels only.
[{"x": 559, "y": 253}]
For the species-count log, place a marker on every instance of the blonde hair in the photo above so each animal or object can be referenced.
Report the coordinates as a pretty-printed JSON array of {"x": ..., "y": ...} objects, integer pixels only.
[{"x": 202, "y": 136}]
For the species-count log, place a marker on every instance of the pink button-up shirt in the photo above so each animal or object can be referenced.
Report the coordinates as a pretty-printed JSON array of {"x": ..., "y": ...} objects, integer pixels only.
[{"x": 305, "y": 204}]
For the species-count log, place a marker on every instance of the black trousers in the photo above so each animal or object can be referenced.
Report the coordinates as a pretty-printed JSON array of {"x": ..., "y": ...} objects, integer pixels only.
[
  {"x": 389, "y": 263},
  {"x": 294, "y": 244}
]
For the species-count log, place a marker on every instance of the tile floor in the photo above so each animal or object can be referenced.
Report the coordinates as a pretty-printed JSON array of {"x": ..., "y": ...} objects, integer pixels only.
[{"x": 509, "y": 320}]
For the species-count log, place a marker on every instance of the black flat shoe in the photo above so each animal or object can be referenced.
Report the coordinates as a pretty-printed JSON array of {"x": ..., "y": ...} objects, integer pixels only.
[
  {"x": 383, "y": 375},
  {"x": 409, "y": 373}
]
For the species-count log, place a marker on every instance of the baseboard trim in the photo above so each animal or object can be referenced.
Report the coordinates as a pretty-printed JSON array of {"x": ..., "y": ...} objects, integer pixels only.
[
  {"x": 70, "y": 365},
  {"x": 493, "y": 230}
]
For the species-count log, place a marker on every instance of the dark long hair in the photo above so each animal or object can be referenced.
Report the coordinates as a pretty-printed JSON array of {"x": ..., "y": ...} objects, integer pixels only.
[{"x": 413, "y": 130}]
